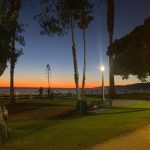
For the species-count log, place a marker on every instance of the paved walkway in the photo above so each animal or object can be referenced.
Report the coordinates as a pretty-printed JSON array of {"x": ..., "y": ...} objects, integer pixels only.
[{"x": 137, "y": 140}]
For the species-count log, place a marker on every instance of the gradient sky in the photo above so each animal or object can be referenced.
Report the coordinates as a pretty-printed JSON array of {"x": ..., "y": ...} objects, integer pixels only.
[{"x": 42, "y": 50}]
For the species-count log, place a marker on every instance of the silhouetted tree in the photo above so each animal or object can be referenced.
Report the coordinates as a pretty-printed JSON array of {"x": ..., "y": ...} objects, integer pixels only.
[
  {"x": 110, "y": 25},
  {"x": 5, "y": 35},
  {"x": 132, "y": 53},
  {"x": 48, "y": 75},
  {"x": 84, "y": 20},
  {"x": 9, "y": 10},
  {"x": 14, "y": 55},
  {"x": 57, "y": 18}
]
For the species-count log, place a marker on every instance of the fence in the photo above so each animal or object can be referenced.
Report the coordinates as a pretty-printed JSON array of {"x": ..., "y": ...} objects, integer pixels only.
[
  {"x": 30, "y": 96},
  {"x": 25, "y": 96}
]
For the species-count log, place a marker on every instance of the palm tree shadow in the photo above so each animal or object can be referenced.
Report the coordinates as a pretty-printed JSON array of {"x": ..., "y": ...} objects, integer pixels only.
[
  {"x": 37, "y": 126},
  {"x": 30, "y": 129},
  {"x": 119, "y": 110}
]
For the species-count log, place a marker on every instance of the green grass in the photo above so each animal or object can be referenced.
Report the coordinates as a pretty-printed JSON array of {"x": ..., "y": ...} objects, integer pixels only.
[
  {"x": 56, "y": 102},
  {"x": 133, "y": 96},
  {"x": 77, "y": 132},
  {"x": 136, "y": 96}
]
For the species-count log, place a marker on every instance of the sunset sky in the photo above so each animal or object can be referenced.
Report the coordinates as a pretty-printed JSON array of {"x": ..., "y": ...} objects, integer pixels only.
[{"x": 56, "y": 51}]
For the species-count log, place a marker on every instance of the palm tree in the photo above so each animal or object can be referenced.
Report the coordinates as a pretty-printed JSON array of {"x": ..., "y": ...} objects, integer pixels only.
[
  {"x": 69, "y": 11},
  {"x": 57, "y": 18},
  {"x": 84, "y": 21},
  {"x": 74, "y": 53},
  {"x": 77, "y": 13},
  {"x": 110, "y": 25}
]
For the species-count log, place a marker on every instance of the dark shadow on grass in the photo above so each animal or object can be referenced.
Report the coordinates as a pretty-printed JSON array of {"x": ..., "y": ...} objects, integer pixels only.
[
  {"x": 31, "y": 128},
  {"x": 24, "y": 107},
  {"x": 120, "y": 110},
  {"x": 108, "y": 111},
  {"x": 37, "y": 126}
]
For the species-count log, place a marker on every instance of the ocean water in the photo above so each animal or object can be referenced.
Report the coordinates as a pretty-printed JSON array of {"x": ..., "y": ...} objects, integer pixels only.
[
  {"x": 35, "y": 91},
  {"x": 55, "y": 90}
]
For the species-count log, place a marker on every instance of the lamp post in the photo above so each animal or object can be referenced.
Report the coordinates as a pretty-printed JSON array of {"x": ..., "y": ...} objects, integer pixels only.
[{"x": 103, "y": 86}]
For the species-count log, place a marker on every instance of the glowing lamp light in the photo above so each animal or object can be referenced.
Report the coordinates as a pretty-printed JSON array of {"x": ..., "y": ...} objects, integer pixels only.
[{"x": 102, "y": 68}]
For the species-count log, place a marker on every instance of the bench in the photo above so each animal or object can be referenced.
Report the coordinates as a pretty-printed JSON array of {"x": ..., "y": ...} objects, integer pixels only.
[{"x": 100, "y": 104}]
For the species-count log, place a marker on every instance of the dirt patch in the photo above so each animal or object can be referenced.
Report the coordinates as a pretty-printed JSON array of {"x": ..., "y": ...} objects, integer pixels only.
[
  {"x": 138, "y": 140},
  {"x": 39, "y": 113}
]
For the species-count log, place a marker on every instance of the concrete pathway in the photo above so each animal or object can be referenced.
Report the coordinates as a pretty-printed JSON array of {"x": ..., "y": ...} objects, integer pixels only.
[{"x": 137, "y": 140}]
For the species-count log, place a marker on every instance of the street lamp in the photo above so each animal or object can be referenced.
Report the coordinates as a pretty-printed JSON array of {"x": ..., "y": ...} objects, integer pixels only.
[{"x": 102, "y": 68}]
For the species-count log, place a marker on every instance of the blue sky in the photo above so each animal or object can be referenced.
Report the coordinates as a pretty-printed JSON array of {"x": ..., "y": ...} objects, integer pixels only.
[{"x": 56, "y": 51}]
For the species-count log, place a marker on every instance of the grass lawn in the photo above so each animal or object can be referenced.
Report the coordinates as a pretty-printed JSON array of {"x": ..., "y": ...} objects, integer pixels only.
[{"x": 74, "y": 132}]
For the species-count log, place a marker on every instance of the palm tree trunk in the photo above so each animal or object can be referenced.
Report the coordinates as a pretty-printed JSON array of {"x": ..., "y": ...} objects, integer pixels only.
[
  {"x": 111, "y": 74},
  {"x": 84, "y": 66},
  {"x": 74, "y": 52},
  {"x": 110, "y": 25},
  {"x": 12, "y": 67}
]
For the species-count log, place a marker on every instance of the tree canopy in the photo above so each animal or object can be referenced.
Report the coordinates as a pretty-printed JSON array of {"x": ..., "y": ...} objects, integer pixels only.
[
  {"x": 9, "y": 12},
  {"x": 56, "y": 17},
  {"x": 132, "y": 53},
  {"x": 5, "y": 29},
  {"x": 61, "y": 16}
]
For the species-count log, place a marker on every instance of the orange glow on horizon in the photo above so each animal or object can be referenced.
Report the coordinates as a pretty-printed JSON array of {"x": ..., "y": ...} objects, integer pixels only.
[
  {"x": 59, "y": 83},
  {"x": 54, "y": 84}
]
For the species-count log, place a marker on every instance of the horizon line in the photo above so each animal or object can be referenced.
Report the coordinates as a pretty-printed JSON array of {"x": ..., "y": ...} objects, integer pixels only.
[{"x": 67, "y": 87}]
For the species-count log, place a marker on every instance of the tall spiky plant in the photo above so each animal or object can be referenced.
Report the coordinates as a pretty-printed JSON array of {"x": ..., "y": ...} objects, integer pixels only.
[
  {"x": 48, "y": 75},
  {"x": 110, "y": 25}
]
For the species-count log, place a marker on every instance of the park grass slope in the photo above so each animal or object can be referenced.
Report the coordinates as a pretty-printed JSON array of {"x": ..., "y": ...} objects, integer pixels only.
[{"x": 77, "y": 132}]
